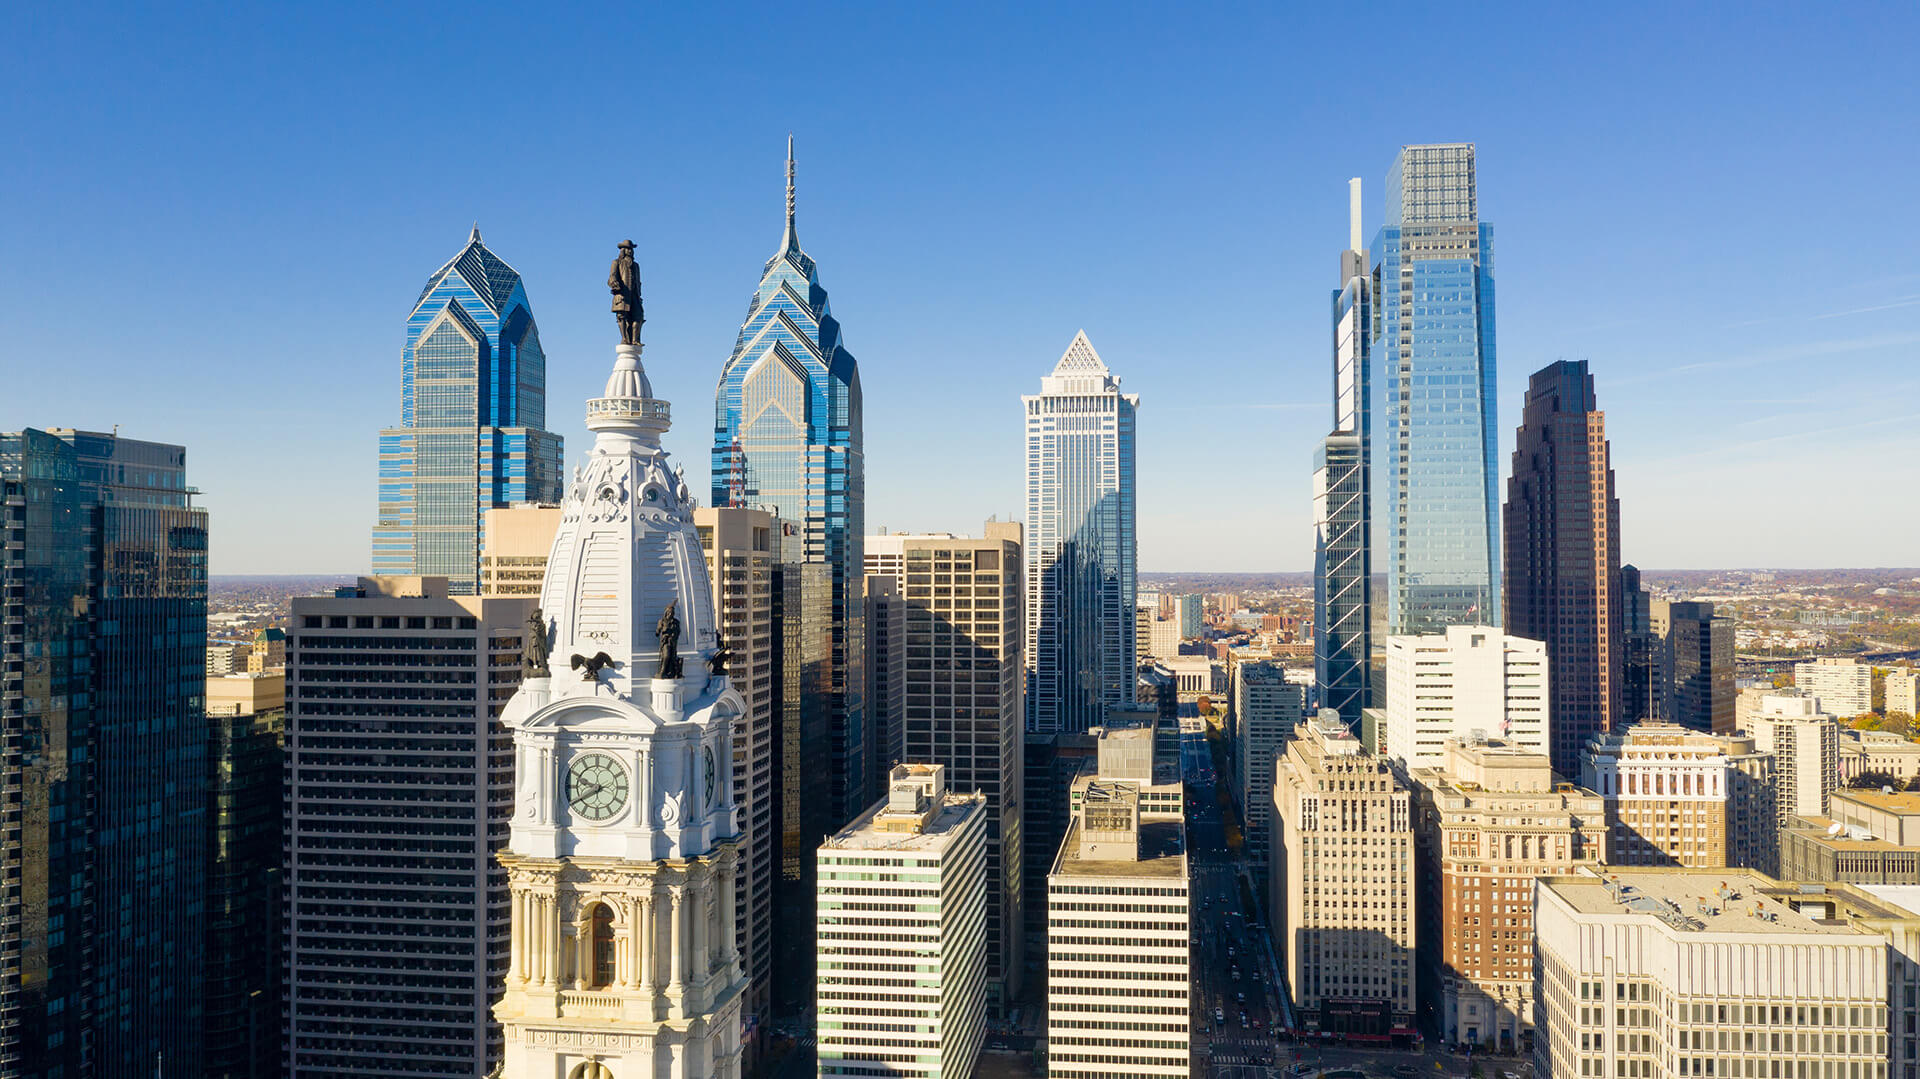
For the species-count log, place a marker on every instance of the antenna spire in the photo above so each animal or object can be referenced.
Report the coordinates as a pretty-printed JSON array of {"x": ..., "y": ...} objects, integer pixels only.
[{"x": 793, "y": 238}]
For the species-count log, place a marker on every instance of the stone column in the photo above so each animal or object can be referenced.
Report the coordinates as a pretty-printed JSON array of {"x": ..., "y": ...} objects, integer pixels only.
[
  {"x": 517, "y": 928},
  {"x": 730, "y": 950},
  {"x": 677, "y": 938},
  {"x": 536, "y": 941},
  {"x": 550, "y": 925},
  {"x": 646, "y": 975}
]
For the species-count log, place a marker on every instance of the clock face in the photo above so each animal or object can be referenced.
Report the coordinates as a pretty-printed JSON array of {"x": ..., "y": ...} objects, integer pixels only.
[
  {"x": 710, "y": 774},
  {"x": 596, "y": 786}
]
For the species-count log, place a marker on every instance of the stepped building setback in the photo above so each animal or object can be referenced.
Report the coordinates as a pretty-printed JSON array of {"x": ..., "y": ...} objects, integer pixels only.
[
  {"x": 473, "y": 413},
  {"x": 787, "y": 438}
]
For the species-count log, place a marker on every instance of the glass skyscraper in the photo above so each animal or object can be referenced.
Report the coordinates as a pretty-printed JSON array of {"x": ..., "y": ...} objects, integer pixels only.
[
  {"x": 1433, "y": 350},
  {"x": 787, "y": 437},
  {"x": 473, "y": 410},
  {"x": 1343, "y": 543},
  {"x": 103, "y": 707},
  {"x": 1081, "y": 544}
]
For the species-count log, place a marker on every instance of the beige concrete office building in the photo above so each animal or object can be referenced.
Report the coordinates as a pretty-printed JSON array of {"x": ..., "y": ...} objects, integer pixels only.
[
  {"x": 1467, "y": 679},
  {"x": 1653, "y": 973},
  {"x": 739, "y": 546},
  {"x": 1666, "y": 791},
  {"x": 1342, "y": 883},
  {"x": 962, "y": 684},
  {"x": 514, "y": 547},
  {"x": 1489, "y": 821}
]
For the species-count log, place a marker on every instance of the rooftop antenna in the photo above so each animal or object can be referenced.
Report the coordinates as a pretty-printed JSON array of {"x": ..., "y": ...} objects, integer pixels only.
[
  {"x": 1353, "y": 214},
  {"x": 793, "y": 238}
]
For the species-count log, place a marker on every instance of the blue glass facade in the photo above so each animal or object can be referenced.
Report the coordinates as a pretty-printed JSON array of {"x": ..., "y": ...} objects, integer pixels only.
[
  {"x": 1436, "y": 508},
  {"x": 1082, "y": 546},
  {"x": 1342, "y": 504},
  {"x": 787, "y": 437},
  {"x": 473, "y": 386},
  {"x": 106, "y": 740}
]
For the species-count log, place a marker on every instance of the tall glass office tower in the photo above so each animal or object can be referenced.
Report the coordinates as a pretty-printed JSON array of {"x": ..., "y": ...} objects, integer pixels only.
[
  {"x": 104, "y": 745},
  {"x": 1081, "y": 545},
  {"x": 1432, "y": 347},
  {"x": 1343, "y": 536},
  {"x": 473, "y": 410},
  {"x": 786, "y": 437}
]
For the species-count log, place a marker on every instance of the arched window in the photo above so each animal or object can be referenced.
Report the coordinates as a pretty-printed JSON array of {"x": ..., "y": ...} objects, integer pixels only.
[
  {"x": 603, "y": 951},
  {"x": 590, "y": 1069}
]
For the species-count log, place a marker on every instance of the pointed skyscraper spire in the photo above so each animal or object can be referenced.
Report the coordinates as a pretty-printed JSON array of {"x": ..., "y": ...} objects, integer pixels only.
[
  {"x": 474, "y": 236},
  {"x": 792, "y": 240}
]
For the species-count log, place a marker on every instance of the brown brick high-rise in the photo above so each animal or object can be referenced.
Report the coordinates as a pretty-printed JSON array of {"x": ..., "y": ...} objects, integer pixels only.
[{"x": 1563, "y": 555}]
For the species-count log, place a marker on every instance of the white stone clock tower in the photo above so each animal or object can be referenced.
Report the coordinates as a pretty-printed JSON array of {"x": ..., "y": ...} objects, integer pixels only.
[{"x": 623, "y": 847}]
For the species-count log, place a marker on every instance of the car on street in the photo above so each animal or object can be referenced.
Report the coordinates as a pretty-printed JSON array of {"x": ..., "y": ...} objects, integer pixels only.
[{"x": 1405, "y": 1071}]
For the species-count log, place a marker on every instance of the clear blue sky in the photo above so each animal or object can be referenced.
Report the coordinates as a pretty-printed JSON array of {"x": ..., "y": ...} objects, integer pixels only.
[{"x": 212, "y": 223}]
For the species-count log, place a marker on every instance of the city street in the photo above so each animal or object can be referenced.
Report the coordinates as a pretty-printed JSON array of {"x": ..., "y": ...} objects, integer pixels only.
[
  {"x": 1224, "y": 943},
  {"x": 1235, "y": 997}
]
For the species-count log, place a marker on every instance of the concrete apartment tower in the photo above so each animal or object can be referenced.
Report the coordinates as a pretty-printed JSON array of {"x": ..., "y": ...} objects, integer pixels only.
[
  {"x": 960, "y": 679},
  {"x": 1563, "y": 555},
  {"x": 379, "y": 773},
  {"x": 901, "y": 904},
  {"x": 1843, "y": 684},
  {"x": 1342, "y": 893},
  {"x": 625, "y": 844}
]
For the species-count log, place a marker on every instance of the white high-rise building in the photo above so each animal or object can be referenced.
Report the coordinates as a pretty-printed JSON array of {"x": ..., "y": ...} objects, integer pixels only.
[
  {"x": 1118, "y": 966},
  {"x": 1844, "y": 685},
  {"x": 1661, "y": 973},
  {"x": 1805, "y": 742},
  {"x": 1903, "y": 691},
  {"x": 1081, "y": 546},
  {"x": 1466, "y": 680},
  {"x": 902, "y": 939},
  {"x": 624, "y": 845}
]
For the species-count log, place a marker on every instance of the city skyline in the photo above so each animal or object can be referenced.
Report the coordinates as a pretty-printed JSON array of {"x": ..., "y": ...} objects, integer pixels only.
[{"x": 1237, "y": 233}]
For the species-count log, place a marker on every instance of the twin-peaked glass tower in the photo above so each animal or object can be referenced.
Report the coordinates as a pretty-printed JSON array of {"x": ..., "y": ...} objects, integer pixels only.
[{"x": 473, "y": 409}]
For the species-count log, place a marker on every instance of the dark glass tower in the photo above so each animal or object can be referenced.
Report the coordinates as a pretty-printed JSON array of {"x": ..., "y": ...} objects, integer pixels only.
[
  {"x": 1342, "y": 500},
  {"x": 473, "y": 412},
  {"x": 105, "y": 735},
  {"x": 1432, "y": 347},
  {"x": 787, "y": 437},
  {"x": 1563, "y": 556}
]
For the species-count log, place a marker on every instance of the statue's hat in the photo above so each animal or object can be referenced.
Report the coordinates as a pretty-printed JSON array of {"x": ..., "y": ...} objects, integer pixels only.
[{"x": 626, "y": 245}]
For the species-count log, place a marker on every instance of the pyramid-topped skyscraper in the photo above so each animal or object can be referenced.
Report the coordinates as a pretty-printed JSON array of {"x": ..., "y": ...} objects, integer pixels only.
[
  {"x": 1081, "y": 545},
  {"x": 473, "y": 413},
  {"x": 787, "y": 437}
]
